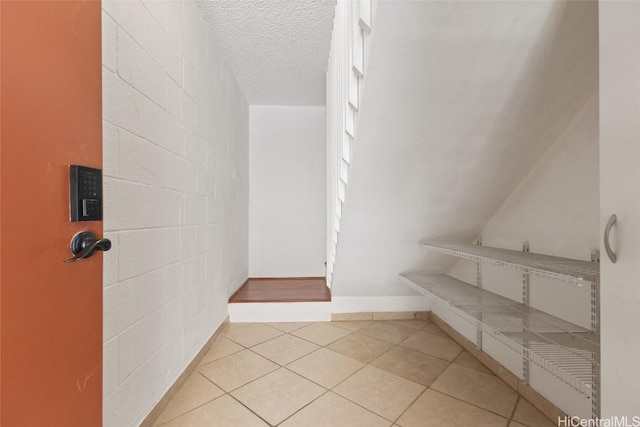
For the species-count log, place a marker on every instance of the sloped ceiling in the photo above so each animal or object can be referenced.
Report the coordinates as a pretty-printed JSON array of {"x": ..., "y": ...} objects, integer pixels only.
[
  {"x": 278, "y": 49},
  {"x": 461, "y": 99}
]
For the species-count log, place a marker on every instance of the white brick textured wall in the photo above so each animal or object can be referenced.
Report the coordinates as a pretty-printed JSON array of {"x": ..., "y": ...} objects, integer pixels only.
[{"x": 176, "y": 141}]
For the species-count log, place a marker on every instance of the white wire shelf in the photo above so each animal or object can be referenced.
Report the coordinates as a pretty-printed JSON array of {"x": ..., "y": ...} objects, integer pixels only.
[
  {"x": 564, "y": 269},
  {"x": 566, "y": 350}
]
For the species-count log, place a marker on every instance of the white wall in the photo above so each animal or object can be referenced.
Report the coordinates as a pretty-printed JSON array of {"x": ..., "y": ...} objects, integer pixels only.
[
  {"x": 176, "y": 198},
  {"x": 287, "y": 208},
  {"x": 556, "y": 209},
  {"x": 484, "y": 90}
]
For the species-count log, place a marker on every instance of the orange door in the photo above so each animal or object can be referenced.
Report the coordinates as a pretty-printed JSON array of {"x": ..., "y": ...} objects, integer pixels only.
[{"x": 50, "y": 117}]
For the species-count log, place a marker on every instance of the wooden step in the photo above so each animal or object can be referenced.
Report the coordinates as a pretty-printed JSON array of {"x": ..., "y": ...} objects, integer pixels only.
[{"x": 283, "y": 289}]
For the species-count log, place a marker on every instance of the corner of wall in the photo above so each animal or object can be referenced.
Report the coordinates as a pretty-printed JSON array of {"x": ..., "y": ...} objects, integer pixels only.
[{"x": 287, "y": 207}]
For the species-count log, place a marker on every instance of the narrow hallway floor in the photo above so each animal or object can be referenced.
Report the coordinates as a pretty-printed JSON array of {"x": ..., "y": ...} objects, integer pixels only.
[{"x": 406, "y": 373}]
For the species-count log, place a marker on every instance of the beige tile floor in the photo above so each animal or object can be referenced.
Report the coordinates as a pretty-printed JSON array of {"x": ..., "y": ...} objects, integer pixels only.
[{"x": 405, "y": 373}]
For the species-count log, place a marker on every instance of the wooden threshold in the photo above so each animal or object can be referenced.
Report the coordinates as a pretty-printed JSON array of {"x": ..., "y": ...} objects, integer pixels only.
[{"x": 283, "y": 289}]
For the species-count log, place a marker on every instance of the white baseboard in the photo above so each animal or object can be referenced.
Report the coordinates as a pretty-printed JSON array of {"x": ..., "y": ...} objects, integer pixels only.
[
  {"x": 321, "y": 311},
  {"x": 280, "y": 312},
  {"x": 379, "y": 304}
]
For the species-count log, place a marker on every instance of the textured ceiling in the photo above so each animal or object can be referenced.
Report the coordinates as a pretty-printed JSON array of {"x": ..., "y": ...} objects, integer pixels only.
[{"x": 277, "y": 49}]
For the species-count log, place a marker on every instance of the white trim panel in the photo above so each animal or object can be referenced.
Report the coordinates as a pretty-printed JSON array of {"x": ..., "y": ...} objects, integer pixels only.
[
  {"x": 379, "y": 304},
  {"x": 280, "y": 312}
]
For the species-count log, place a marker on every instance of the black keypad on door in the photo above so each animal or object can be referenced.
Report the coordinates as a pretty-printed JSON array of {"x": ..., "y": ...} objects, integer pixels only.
[{"x": 86, "y": 193}]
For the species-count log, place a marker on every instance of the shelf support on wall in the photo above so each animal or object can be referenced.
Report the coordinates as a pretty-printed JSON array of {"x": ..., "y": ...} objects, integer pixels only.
[
  {"x": 595, "y": 328},
  {"x": 479, "y": 284},
  {"x": 569, "y": 352},
  {"x": 525, "y": 323}
]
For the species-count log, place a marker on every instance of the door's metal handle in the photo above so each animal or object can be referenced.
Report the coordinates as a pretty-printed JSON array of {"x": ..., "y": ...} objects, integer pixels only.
[
  {"x": 612, "y": 255},
  {"x": 85, "y": 243}
]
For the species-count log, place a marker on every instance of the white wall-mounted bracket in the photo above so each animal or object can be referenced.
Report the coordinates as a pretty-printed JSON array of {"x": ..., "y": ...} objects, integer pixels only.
[
  {"x": 479, "y": 284},
  {"x": 525, "y": 324}
]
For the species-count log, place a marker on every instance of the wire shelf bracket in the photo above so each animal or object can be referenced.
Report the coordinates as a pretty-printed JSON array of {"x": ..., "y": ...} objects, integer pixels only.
[
  {"x": 567, "y": 351},
  {"x": 577, "y": 272}
]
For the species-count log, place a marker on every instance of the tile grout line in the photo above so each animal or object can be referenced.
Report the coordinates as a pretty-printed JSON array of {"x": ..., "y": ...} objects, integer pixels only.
[
  {"x": 314, "y": 351},
  {"x": 229, "y": 355},
  {"x": 356, "y": 403},
  {"x": 288, "y": 363},
  {"x": 351, "y": 330},
  {"x": 515, "y": 407},
  {"x": 332, "y": 389},
  {"x": 362, "y": 368},
  {"x": 259, "y": 355},
  {"x": 325, "y": 392},
  {"x": 292, "y": 330},
  {"x": 360, "y": 406},
  {"x": 423, "y": 392},
  {"x": 450, "y": 362},
  {"x": 409, "y": 406},
  {"x": 233, "y": 397},
  {"x": 197, "y": 371},
  {"x": 279, "y": 367},
  {"x": 468, "y": 403},
  {"x": 228, "y": 393},
  {"x": 343, "y": 380},
  {"x": 249, "y": 409},
  {"x": 329, "y": 389},
  {"x": 394, "y": 345},
  {"x": 192, "y": 409}
]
